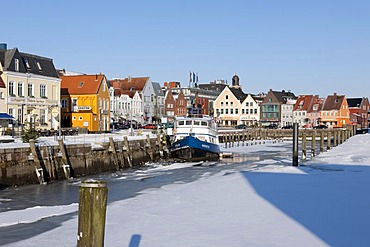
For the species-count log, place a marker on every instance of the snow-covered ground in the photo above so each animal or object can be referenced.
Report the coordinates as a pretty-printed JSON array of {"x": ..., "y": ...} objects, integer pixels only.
[{"x": 325, "y": 202}]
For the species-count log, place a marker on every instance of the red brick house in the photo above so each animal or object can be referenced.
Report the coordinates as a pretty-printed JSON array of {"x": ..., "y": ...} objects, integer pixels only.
[{"x": 359, "y": 112}]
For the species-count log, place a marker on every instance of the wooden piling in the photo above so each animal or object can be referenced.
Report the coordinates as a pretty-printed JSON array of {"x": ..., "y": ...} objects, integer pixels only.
[
  {"x": 304, "y": 144},
  {"x": 126, "y": 151},
  {"x": 149, "y": 148},
  {"x": 322, "y": 138},
  {"x": 335, "y": 141},
  {"x": 38, "y": 165},
  {"x": 114, "y": 153},
  {"x": 92, "y": 213},
  {"x": 65, "y": 160},
  {"x": 328, "y": 141},
  {"x": 313, "y": 144}
]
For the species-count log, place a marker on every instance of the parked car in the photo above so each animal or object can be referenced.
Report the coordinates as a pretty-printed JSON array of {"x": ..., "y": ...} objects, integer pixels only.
[
  {"x": 149, "y": 126},
  {"x": 241, "y": 126},
  {"x": 321, "y": 126}
]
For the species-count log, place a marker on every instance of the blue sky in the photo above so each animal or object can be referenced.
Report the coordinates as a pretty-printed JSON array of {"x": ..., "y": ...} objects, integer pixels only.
[{"x": 309, "y": 47}]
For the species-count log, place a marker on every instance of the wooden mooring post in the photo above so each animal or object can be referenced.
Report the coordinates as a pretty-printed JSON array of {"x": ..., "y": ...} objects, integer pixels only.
[
  {"x": 92, "y": 207},
  {"x": 114, "y": 152},
  {"x": 313, "y": 144},
  {"x": 304, "y": 146},
  {"x": 295, "y": 144}
]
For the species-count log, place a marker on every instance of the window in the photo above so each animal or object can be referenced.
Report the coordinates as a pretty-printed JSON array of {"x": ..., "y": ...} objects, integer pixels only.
[
  {"x": 30, "y": 90},
  {"x": 43, "y": 91},
  {"x": 19, "y": 116},
  {"x": 81, "y": 84},
  {"x": 11, "y": 111},
  {"x": 231, "y": 111},
  {"x": 243, "y": 111},
  {"x": 80, "y": 118},
  {"x": 20, "y": 89},
  {"x": 11, "y": 88},
  {"x": 64, "y": 103},
  {"x": 251, "y": 104},
  {"x": 26, "y": 63},
  {"x": 16, "y": 64},
  {"x": 74, "y": 118},
  {"x": 222, "y": 111},
  {"x": 226, "y": 111},
  {"x": 236, "y": 111},
  {"x": 42, "y": 116},
  {"x": 231, "y": 103},
  {"x": 222, "y": 103},
  {"x": 255, "y": 111},
  {"x": 226, "y": 96},
  {"x": 204, "y": 123},
  {"x": 38, "y": 65},
  {"x": 74, "y": 104},
  {"x": 1, "y": 95},
  {"x": 247, "y": 104}
]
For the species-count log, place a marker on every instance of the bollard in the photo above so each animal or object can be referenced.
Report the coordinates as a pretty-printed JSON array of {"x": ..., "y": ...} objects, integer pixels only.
[
  {"x": 295, "y": 144},
  {"x": 91, "y": 213}
]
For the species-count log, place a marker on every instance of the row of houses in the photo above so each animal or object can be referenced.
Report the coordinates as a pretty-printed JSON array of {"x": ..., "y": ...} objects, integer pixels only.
[{"x": 33, "y": 91}]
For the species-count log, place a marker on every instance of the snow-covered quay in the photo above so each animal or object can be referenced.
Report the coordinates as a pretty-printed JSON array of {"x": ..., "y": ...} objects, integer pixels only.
[{"x": 324, "y": 202}]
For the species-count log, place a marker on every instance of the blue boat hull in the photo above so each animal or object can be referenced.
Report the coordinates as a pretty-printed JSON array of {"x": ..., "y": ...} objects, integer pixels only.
[{"x": 193, "y": 149}]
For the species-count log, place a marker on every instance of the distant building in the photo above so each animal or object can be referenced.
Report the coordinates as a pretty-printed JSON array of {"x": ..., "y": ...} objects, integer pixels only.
[
  {"x": 273, "y": 106},
  {"x": 359, "y": 109},
  {"x": 335, "y": 111},
  {"x": 85, "y": 102}
]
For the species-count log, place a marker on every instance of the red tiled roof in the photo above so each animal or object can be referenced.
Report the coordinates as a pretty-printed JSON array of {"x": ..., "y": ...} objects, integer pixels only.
[
  {"x": 130, "y": 84},
  {"x": 81, "y": 84},
  {"x": 303, "y": 102}
]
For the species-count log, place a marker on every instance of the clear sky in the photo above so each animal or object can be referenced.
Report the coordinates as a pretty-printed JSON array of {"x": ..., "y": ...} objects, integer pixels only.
[{"x": 309, "y": 47}]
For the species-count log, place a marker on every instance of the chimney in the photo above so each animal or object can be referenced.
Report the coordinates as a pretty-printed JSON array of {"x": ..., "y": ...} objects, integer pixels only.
[
  {"x": 96, "y": 77},
  {"x": 3, "y": 46}
]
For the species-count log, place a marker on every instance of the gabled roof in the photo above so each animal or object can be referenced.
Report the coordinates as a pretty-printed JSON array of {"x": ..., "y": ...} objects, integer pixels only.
[
  {"x": 333, "y": 102},
  {"x": 28, "y": 63},
  {"x": 303, "y": 103},
  {"x": 283, "y": 96},
  {"x": 81, "y": 84},
  {"x": 130, "y": 83},
  {"x": 157, "y": 89},
  {"x": 238, "y": 93},
  {"x": 354, "y": 102}
]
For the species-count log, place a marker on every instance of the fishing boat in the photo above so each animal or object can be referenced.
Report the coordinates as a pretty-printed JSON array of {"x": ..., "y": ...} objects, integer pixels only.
[{"x": 195, "y": 139}]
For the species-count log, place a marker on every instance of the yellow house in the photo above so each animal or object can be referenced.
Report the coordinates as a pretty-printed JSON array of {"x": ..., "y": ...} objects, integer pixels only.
[{"x": 85, "y": 102}]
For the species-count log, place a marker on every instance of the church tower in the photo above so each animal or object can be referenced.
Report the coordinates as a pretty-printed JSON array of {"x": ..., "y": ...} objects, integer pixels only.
[{"x": 235, "y": 81}]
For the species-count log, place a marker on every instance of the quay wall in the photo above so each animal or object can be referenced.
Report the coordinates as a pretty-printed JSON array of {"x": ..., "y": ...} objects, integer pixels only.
[{"x": 42, "y": 163}]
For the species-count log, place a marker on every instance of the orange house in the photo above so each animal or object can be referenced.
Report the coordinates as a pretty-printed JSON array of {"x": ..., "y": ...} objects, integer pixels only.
[
  {"x": 85, "y": 102},
  {"x": 335, "y": 112}
]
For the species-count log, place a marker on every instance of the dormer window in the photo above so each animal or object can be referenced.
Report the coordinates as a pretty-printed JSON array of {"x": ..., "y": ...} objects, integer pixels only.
[
  {"x": 27, "y": 63},
  {"x": 81, "y": 84},
  {"x": 38, "y": 65},
  {"x": 16, "y": 64}
]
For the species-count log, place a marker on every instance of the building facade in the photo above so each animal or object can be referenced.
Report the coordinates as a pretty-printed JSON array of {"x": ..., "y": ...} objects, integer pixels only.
[
  {"x": 85, "y": 102},
  {"x": 32, "y": 94}
]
